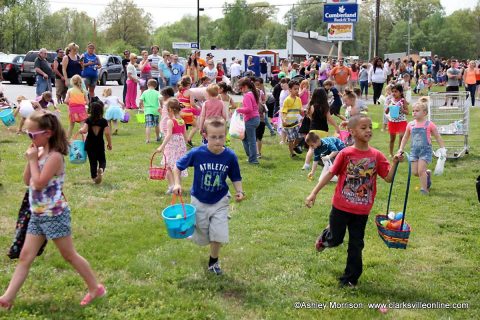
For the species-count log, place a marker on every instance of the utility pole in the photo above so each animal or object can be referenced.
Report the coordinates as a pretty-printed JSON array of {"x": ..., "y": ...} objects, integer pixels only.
[
  {"x": 377, "y": 26},
  {"x": 408, "y": 35},
  {"x": 370, "y": 41},
  {"x": 198, "y": 23},
  {"x": 291, "y": 32}
]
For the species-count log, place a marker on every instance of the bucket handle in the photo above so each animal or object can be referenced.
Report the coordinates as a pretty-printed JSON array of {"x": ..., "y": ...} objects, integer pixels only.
[
  {"x": 164, "y": 160},
  {"x": 406, "y": 192},
  {"x": 174, "y": 200},
  {"x": 76, "y": 135}
]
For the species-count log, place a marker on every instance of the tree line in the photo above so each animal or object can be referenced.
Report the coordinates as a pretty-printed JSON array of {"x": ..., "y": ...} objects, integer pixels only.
[{"x": 29, "y": 24}]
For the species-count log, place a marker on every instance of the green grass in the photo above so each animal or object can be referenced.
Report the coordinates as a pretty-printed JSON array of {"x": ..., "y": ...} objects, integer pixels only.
[{"x": 270, "y": 262}]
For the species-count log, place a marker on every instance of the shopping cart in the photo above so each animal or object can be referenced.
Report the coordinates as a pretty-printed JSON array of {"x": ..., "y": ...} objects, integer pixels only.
[{"x": 450, "y": 111}]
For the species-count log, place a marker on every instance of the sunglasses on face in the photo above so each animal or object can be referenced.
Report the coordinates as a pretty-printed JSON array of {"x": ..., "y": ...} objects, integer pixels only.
[{"x": 32, "y": 135}]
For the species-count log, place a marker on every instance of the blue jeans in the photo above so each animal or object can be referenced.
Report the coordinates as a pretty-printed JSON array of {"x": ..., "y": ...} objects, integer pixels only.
[
  {"x": 43, "y": 85},
  {"x": 472, "y": 88},
  {"x": 364, "y": 87},
  {"x": 269, "y": 125},
  {"x": 250, "y": 140}
]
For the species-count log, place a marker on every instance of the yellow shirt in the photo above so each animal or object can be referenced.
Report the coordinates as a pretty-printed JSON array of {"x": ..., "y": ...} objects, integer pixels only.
[{"x": 292, "y": 107}]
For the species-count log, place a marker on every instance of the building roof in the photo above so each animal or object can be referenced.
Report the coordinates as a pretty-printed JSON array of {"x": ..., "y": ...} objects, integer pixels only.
[{"x": 316, "y": 47}]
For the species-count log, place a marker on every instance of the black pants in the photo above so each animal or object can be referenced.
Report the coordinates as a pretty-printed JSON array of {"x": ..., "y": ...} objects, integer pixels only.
[
  {"x": 377, "y": 91},
  {"x": 124, "y": 90},
  {"x": 97, "y": 160},
  {"x": 333, "y": 236}
]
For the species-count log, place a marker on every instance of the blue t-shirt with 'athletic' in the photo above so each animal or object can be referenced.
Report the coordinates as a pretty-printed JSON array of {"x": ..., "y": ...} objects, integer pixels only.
[{"x": 210, "y": 172}]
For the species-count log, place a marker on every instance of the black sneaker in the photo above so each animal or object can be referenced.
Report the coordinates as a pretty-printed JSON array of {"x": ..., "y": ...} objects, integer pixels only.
[
  {"x": 478, "y": 188},
  {"x": 293, "y": 155},
  {"x": 189, "y": 143},
  {"x": 215, "y": 268},
  {"x": 298, "y": 150}
]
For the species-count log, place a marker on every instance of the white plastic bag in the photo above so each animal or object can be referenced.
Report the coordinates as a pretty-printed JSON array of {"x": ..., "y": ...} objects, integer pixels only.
[
  {"x": 226, "y": 80},
  {"x": 237, "y": 126},
  {"x": 442, "y": 157},
  {"x": 326, "y": 167},
  {"x": 408, "y": 96}
]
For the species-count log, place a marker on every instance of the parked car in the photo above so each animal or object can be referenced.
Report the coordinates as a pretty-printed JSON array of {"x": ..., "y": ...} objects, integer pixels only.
[
  {"x": 28, "y": 69},
  {"x": 111, "y": 69},
  {"x": 11, "y": 67}
]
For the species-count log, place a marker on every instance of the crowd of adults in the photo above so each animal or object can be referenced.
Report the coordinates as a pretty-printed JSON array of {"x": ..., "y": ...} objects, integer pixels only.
[{"x": 167, "y": 70}]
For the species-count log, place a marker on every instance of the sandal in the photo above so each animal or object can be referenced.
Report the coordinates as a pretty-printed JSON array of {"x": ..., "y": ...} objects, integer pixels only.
[
  {"x": 6, "y": 305},
  {"x": 101, "y": 291}
]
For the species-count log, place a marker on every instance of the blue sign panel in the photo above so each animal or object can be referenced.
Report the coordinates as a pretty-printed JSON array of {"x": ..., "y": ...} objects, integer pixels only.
[{"x": 340, "y": 13}]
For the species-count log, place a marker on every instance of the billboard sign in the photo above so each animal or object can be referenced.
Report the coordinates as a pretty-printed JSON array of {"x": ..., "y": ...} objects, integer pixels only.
[
  {"x": 340, "y": 13},
  {"x": 340, "y": 31}
]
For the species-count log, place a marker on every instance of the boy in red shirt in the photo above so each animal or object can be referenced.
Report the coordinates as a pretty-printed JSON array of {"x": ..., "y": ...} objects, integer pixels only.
[{"x": 357, "y": 168}]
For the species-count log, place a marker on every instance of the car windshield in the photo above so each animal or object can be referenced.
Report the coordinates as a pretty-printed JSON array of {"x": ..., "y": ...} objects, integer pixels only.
[{"x": 103, "y": 59}]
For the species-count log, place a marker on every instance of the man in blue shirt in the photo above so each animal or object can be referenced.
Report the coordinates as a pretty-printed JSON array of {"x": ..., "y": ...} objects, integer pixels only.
[
  {"x": 177, "y": 72},
  {"x": 212, "y": 164}
]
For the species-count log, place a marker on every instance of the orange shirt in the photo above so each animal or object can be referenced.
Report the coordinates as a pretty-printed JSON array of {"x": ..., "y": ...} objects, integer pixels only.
[
  {"x": 340, "y": 74},
  {"x": 201, "y": 64},
  {"x": 470, "y": 76}
]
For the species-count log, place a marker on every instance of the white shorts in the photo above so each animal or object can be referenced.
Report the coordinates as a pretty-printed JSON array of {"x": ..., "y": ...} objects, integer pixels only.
[{"x": 211, "y": 221}]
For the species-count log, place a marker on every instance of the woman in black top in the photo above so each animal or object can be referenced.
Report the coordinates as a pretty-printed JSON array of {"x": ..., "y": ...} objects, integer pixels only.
[
  {"x": 95, "y": 127},
  {"x": 60, "y": 88},
  {"x": 319, "y": 114},
  {"x": 71, "y": 64}
]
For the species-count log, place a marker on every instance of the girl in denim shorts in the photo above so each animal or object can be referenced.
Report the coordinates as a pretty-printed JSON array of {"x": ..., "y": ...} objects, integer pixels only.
[
  {"x": 421, "y": 130},
  {"x": 45, "y": 174}
]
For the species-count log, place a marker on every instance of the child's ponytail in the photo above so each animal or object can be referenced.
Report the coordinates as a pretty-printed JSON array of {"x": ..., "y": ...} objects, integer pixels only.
[{"x": 48, "y": 121}]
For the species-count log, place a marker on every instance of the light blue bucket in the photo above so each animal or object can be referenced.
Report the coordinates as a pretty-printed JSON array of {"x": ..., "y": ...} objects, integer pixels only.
[
  {"x": 7, "y": 117},
  {"x": 77, "y": 153},
  {"x": 394, "y": 111},
  {"x": 180, "y": 220}
]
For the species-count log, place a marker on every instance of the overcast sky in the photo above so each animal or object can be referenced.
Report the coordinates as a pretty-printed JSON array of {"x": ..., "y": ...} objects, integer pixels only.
[{"x": 172, "y": 10}]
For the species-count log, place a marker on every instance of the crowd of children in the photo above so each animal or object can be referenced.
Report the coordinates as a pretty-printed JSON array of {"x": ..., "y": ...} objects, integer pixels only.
[{"x": 303, "y": 118}]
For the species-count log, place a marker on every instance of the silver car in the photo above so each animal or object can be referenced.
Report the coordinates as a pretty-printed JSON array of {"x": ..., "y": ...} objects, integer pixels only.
[{"x": 111, "y": 69}]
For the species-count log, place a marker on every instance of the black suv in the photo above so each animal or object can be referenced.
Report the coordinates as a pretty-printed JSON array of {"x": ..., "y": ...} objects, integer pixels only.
[
  {"x": 28, "y": 69},
  {"x": 11, "y": 67}
]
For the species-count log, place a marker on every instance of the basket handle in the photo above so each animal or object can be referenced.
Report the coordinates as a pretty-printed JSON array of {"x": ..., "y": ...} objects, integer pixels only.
[
  {"x": 406, "y": 192},
  {"x": 164, "y": 159},
  {"x": 174, "y": 200}
]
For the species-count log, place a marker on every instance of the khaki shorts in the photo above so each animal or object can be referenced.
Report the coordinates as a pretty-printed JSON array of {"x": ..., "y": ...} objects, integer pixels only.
[{"x": 211, "y": 221}]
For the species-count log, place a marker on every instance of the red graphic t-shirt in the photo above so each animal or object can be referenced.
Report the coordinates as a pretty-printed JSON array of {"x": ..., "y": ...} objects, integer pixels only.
[{"x": 357, "y": 178}]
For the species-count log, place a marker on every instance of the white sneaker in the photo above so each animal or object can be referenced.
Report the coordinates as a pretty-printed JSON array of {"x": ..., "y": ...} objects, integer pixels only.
[{"x": 306, "y": 166}]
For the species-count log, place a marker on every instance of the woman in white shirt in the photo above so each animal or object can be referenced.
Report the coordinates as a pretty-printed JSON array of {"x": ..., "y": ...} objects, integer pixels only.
[
  {"x": 376, "y": 78},
  {"x": 132, "y": 82}
]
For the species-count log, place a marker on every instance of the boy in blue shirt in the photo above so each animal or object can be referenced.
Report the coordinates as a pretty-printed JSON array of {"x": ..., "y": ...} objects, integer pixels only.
[
  {"x": 325, "y": 149},
  {"x": 209, "y": 193}
]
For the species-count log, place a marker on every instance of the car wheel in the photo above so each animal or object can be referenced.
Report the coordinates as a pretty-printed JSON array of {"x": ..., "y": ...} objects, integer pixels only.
[
  {"x": 19, "y": 79},
  {"x": 103, "y": 79},
  {"x": 121, "y": 81},
  {"x": 31, "y": 81}
]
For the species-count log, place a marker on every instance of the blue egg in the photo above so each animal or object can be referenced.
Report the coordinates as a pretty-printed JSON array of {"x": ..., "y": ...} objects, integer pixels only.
[{"x": 399, "y": 216}]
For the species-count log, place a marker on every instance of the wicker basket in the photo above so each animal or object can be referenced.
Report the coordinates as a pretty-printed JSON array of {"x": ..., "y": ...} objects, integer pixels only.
[{"x": 157, "y": 173}]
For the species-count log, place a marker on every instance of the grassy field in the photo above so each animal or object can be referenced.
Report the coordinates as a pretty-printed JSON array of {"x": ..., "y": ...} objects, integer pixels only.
[{"x": 270, "y": 263}]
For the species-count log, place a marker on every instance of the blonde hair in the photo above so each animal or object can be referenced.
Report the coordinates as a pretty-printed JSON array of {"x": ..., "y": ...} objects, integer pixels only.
[
  {"x": 77, "y": 82},
  {"x": 422, "y": 103},
  {"x": 133, "y": 56},
  {"x": 107, "y": 92},
  {"x": 304, "y": 84},
  {"x": 72, "y": 46},
  {"x": 144, "y": 52},
  {"x": 212, "y": 90},
  {"x": 21, "y": 98}
]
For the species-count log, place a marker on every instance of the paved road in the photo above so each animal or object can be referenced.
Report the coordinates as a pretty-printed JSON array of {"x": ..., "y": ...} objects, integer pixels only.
[{"x": 14, "y": 90}]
